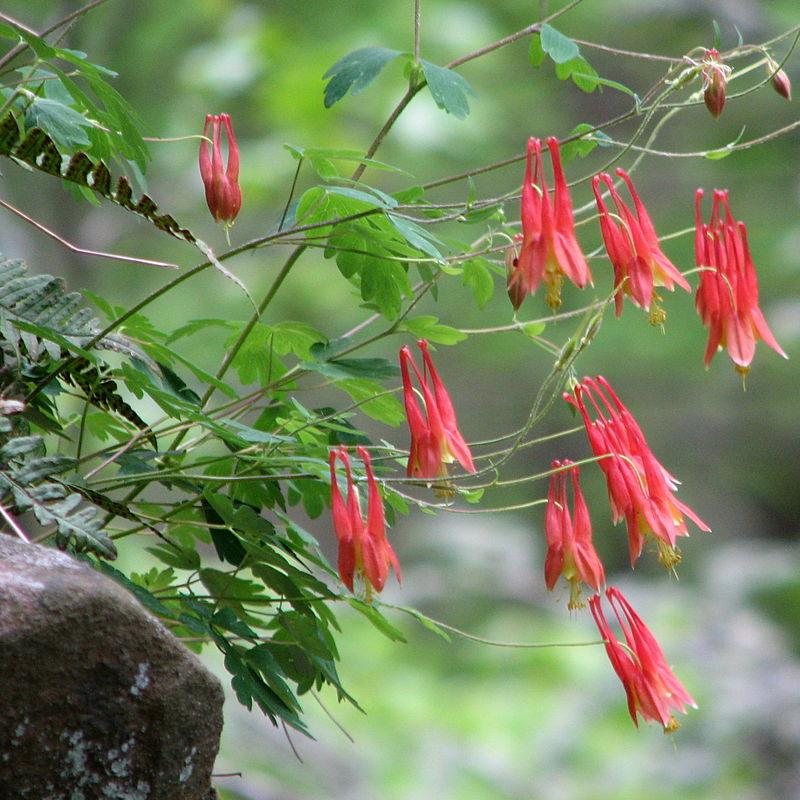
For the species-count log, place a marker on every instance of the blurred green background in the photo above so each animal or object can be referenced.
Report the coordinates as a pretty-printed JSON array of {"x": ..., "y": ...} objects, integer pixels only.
[{"x": 463, "y": 721}]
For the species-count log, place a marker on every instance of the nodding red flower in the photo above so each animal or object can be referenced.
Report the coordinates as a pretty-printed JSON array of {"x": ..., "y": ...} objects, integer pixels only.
[
  {"x": 570, "y": 551},
  {"x": 715, "y": 79},
  {"x": 435, "y": 438},
  {"x": 363, "y": 547},
  {"x": 727, "y": 296},
  {"x": 780, "y": 80},
  {"x": 639, "y": 488},
  {"x": 550, "y": 249},
  {"x": 652, "y": 689},
  {"x": 632, "y": 246},
  {"x": 223, "y": 195}
]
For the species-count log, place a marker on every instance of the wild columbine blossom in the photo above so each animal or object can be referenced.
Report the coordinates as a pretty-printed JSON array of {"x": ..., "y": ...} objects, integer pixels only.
[
  {"x": 435, "y": 438},
  {"x": 550, "y": 249},
  {"x": 223, "y": 195},
  {"x": 639, "y": 488},
  {"x": 652, "y": 688},
  {"x": 632, "y": 246},
  {"x": 363, "y": 547},
  {"x": 570, "y": 551},
  {"x": 715, "y": 76},
  {"x": 727, "y": 296},
  {"x": 780, "y": 80}
]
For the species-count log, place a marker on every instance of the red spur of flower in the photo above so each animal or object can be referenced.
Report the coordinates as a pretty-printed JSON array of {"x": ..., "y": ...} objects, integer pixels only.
[
  {"x": 364, "y": 549},
  {"x": 640, "y": 489},
  {"x": 435, "y": 438},
  {"x": 570, "y": 551},
  {"x": 223, "y": 195},
  {"x": 632, "y": 246},
  {"x": 550, "y": 249},
  {"x": 652, "y": 689},
  {"x": 727, "y": 296}
]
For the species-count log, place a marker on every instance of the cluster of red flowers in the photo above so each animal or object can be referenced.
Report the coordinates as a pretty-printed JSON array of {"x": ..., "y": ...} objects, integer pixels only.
[
  {"x": 364, "y": 550},
  {"x": 727, "y": 297},
  {"x": 641, "y": 490}
]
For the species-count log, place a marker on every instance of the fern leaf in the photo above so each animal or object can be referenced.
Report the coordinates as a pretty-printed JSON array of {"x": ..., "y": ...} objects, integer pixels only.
[
  {"x": 102, "y": 392},
  {"x": 42, "y": 301},
  {"x": 37, "y": 150}
]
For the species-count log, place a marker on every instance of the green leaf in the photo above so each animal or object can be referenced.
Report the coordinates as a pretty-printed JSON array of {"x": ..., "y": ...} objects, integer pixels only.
[
  {"x": 426, "y": 622},
  {"x": 427, "y": 327},
  {"x": 355, "y": 71},
  {"x": 474, "y": 496},
  {"x": 65, "y": 126},
  {"x": 536, "y": 52},
  {"x": 533, "y": 329},
  {"x": 338, "y": 154},
  {"x": 383, "y": 285},
  {"x": 478, "y": 279},
  {"x": 584, "y": 145},
  {"x": 724, "y": 152},
  {"x": 294, "y": 337},
  {"x": 374, "y": 401},
  {"x": 417, "y": 236},
  {"x": 448, "y": 89},
  {"x": 176, "y": 557},
  {"x": 377, "y": 368},
  {"x": 377, "y": 619},
  {"x": 578, "y": 67},
  {"x": 559, "y": 47},
  {"x": 596, "y": 80}
]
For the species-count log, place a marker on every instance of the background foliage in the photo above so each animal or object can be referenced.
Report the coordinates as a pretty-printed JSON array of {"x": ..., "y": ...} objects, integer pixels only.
[{"x": 457, "y": 719}]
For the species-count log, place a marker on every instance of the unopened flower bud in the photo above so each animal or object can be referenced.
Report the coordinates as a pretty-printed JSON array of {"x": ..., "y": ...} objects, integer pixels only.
[
  {"x": 223, "y": 195},
  {"x": 715, "y": 79},
  {"x": 780, "y": 80}
]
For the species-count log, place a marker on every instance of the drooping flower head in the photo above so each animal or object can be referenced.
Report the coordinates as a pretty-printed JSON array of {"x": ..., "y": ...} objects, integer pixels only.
[
  {"x": 435, "y": 438},
  {"x": 727, "y": 296},
  {"x": 632, "y": 246},
  {"x": 639, "y": 488},
  {"x": 363, "y": 547},
  {"x": 550, "y": 249},
  {"x": 652, "y": 689},
  {"x": 780, "y": 80},
  {"x": 715, "y": 76},
  {"x": 570, "y": 551},
  {"x": 223, "y": 195}
]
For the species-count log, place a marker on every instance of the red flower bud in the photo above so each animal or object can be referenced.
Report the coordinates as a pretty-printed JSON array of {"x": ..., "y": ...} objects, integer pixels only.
[
  {"x": 780, "y": 80},
  {"x": 715, "y": 79},
  {"x": 223, "y": 195}
]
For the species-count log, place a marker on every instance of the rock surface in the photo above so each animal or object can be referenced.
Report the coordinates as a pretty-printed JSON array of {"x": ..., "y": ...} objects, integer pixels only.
[{"x": 98, "y": 699}]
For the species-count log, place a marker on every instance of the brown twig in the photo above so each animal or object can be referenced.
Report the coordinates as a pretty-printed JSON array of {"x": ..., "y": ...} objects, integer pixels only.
[{"x": 83, "y": 251}]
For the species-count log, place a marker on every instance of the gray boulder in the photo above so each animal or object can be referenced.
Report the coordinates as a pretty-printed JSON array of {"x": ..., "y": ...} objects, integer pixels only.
[{"x": 99, "y": 700}]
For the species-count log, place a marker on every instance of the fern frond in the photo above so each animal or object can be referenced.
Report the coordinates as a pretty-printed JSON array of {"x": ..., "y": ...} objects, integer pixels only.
[
  {"x": 37, "y": 150},
  {"x": 101, "y": 391},
  {"x": 41, "y": 302}
]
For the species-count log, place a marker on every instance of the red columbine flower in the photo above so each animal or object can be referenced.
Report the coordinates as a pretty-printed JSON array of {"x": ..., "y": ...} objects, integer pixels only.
[
  {"x": 651, "y": 686},
  {"x": 632, "y": 245},
  {"x": 727, "y": 297},
  {"x": 570, "y": 551},
  {"x": 715, "y": 78},
  {"x": 639, "y": 488},
  {"x": 780, "y": 80},
  {"x": 435, "y": 438},
  {"x": 223, "y": 195},
  {"x": 363, "y": 547},
  {"x": 550, "y": 249}
]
